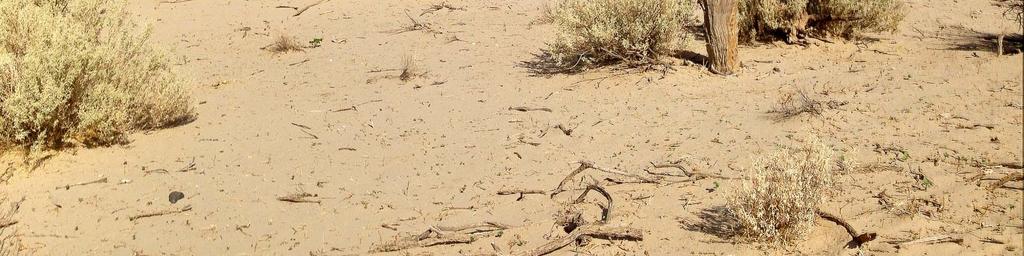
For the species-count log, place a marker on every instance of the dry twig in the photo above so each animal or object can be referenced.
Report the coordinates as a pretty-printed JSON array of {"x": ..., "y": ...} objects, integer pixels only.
[
  {"x": 301, "y": 197},
  {"x": 932, "y": 240},
  {"x": 1018, "y": 176},
  {"x": 304, "y": 9},
  {"x": 160, "y": 213},
  {"x": 528, "y": 109},
  {"x": 69, "y": 186}
]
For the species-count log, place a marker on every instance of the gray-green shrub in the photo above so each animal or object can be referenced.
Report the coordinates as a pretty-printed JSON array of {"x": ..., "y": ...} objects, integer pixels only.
[{"x": 80, "y": 72}]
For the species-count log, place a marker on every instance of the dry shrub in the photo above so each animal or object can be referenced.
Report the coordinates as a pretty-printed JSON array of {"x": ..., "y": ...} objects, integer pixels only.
[
  {"x": 778, "y": 201},
  {"x": 1014, "y": 9},
  {"x": 9, "y": 242},
  {"x": 849, "y": 19},
  {"x": 79, "y": 72},
  {"x": 284, "y": 44},
  {"x": 597, "y": 32}
]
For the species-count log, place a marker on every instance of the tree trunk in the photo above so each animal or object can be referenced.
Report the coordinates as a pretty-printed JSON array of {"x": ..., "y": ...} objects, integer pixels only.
[{"x": 722, "y": 30}]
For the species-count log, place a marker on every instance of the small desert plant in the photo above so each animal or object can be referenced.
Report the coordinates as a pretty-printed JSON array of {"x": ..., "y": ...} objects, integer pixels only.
[
  {"x": 284, "y": 44},
  {"x": 595, "y": 32},
  {"x": 771, "y": 19},
  {"x": 80, "y": 72},
  {"x": 409, "y": 70},
  {"x": 778, "y": 201}
]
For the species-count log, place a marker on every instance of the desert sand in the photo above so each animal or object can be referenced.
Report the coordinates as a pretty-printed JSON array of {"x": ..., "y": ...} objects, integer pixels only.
[{"x": 924, "y": 111}]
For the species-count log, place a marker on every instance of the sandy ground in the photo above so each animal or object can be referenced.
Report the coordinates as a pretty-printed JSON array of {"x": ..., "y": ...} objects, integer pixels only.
[{"x": 436, "y": 149}]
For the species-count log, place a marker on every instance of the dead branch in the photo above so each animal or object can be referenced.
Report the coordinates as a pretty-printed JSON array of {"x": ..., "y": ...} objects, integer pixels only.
[
  {"x": 584, "y": 165},
  {"x": 160, "y": 213},
  {"x": 303, "y": 9},
  {"x": 439, "y": 235},
  {"x": 69, "y": 186},
  {"x": 858, "y": 239},
  {"x": 301, "y": 197},
  {"x": 669, "y": 165},
  {"x": 527, "y": 109},
  {"x": 932, "y": 240},
  {"x": 595, "y": 231},
  {"x": 606, "y": 211},
  {"x": 1008, "y": 178}
]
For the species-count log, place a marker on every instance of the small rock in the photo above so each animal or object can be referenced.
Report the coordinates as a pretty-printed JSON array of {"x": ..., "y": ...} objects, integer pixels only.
[{"x": 175, "y": 196}]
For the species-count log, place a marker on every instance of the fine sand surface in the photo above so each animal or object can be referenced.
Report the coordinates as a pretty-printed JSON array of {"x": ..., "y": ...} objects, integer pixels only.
[{"x": 922, "y": 108}]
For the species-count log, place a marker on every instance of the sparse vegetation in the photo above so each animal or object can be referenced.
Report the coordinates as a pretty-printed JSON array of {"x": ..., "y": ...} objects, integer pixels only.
[
  {"x": 80, "y": 72},
  {"x": 598, "y": 32},
  {"x": 799, "y": 102},
  {"x": 789, "y": 19},
  {"x": 284, "y": 44},
  {"x": 779, "y": 200}
]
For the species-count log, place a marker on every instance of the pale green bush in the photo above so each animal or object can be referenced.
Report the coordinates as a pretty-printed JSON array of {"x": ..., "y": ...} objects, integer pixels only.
[
  {"x": 80, "y": 72},
  {"x": 597, "y": 32},
  {"x": 774, "y": 19},
  {"x": 778, "y": 201}
]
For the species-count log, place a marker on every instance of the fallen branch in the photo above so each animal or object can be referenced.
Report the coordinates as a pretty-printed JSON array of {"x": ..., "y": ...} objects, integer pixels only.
[
  {"x": 69, "y": 186},
  {"x": 606, "y": 211},
  {"x": 595, "y": 231},
  {"x": 160, "y": 213},
  {"x": 932, "y": 240},
  {"x": 584, "y": 165},
  {"x": 858, "y": 239},
  {"x": 527, "y": 109},
  {"x": 439, "y": 235},
  {"x": 299, "y": 198},
  {"x": 669, "y": 165},
  {"x": 1008, "y": 178}
]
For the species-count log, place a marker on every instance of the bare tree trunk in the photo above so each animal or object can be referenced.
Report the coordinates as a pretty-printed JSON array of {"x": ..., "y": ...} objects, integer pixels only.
[{"x": 722, "y": 30}]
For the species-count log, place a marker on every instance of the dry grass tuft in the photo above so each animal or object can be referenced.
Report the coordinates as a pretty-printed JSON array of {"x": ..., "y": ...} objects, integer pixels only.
[
  {"x": 284, "y": 44},
  {"x": 787, "y": 19},
  {"x": 409, "y": 70},
  {"x": 778, "y": 201},
  {"x": 599, "y": 32},
  {"x": 80, "y": 72}
]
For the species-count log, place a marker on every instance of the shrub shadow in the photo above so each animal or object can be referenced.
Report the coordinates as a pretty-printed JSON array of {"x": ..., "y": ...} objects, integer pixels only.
[
  {"x": 544, "y": 63},
  {"x": 691, "y": 56},
  {"x": 969, "y": 40},
  {"x": 716, "y": 221}
]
